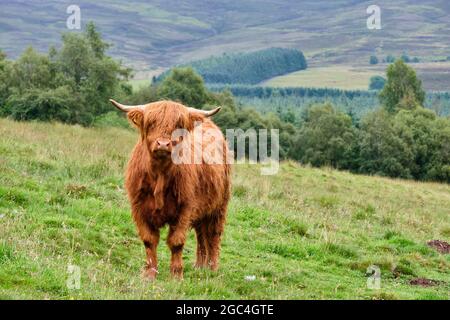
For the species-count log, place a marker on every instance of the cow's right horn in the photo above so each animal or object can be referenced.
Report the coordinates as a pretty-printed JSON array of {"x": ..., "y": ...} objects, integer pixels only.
[
  {"x": 206, "y": 113},
  {"x": 123, "y": 107}
]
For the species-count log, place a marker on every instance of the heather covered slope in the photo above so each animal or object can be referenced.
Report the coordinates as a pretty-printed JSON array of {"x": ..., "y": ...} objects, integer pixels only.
[
  {"x": 303, "y": 233},
  {"x": 160, "y": 33}
]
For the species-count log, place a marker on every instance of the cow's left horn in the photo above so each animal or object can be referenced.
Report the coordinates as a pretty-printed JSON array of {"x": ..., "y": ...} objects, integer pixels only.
[
  {"x": 206, "y": 113},
  {"x": 123, "y": 107}
]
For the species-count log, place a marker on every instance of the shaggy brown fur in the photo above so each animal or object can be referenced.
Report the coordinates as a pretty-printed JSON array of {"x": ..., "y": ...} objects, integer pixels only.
[{"x": 179, "y": 195}]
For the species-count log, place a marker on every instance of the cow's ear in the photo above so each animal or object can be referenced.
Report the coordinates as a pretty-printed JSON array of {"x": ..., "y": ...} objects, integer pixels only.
[
  {"x": 136, "y": 116},
  {"x": 195, "y": 119}
]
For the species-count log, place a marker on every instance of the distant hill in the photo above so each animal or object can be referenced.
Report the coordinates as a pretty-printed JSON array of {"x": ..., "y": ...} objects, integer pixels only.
[
  {"x": 166, "y": 32},
  {"x": 247, "y": 68}
]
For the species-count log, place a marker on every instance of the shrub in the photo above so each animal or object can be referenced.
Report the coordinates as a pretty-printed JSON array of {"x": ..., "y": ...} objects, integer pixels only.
[
  {"x": 325, "y": 138},
  {"x": 402, "y": 83},
  {"x": 377, "y": 83},
  {"x": 373, "y": 60}
]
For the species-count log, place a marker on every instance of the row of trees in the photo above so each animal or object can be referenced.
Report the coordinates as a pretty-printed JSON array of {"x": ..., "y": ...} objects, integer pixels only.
[
  {"x": 267, "y": 92},
  {"x": 357, "y": 102},
  {"x": 390, "y": 59},
  {"x": 248, "y": 68}
]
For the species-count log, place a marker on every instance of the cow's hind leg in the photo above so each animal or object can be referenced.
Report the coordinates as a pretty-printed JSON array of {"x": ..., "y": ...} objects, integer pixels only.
[
  {"x": 215, "y": 228},
  {"x": 202, "y": 253}
]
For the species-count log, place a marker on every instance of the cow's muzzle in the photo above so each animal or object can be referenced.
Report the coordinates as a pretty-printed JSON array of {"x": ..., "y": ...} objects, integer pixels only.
[{"x": 163, "y": 147}]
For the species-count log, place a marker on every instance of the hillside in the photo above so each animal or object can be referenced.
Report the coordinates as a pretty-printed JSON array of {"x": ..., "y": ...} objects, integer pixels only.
[
  {"x": 163, "y": 33},
  {"x": 304, "y": 233}
]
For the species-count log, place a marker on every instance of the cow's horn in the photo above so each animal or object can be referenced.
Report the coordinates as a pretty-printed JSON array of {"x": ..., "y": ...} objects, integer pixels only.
[
  {"x": 206, "y": 113},
  {"x": 123, "y": 107}
]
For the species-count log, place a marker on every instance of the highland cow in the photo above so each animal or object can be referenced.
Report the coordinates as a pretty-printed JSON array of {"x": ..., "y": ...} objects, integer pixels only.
[{"x": 183, "y": 194}]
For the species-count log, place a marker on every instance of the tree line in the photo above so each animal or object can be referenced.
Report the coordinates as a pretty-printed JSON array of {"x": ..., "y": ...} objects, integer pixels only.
[
  {"x": 355, "y": 102},
  {"x": 266, "y": 92},
  {"x": 390, "y": 59},
  {"x": 399, "y": 139}
]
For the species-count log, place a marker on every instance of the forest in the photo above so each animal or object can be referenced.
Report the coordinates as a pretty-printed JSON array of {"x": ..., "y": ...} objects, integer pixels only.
[{"x": 247, "y": 68}]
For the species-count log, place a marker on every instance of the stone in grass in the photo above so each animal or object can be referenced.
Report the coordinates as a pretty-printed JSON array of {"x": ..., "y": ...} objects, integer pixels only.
[{"x": 250, "y": 278}]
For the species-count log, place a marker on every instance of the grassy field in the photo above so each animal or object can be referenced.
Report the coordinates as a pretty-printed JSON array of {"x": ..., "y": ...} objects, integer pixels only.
[
  {"x": 338, "y": 76},
  {"x": 303, "y": 233},
  {"x": 144, "y": 78},
  {"x": 139, "y": 83}
]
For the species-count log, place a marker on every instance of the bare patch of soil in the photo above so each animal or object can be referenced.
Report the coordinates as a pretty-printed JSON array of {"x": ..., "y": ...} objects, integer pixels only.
[
  {"x": 441, "y": 246},
  {"x": 424, "y": 282}
]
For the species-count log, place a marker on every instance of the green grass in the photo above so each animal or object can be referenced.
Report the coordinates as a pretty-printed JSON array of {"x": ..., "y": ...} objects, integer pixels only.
[
  {"x": 341, "y": 77},
  {"x": 304, "y": 233}
]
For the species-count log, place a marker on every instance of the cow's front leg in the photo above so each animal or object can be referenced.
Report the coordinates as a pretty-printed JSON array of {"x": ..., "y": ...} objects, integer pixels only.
[
  {"x": 151, "y": 244},
  {"x": 150, "y": 238},
  {"x": 176, "y": 240}
]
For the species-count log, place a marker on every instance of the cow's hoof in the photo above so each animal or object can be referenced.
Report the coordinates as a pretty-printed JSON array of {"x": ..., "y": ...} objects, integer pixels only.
[
  {"x": 200, "y": 265},
  {"x": 177, "y": 276},
  {"x": 177, "y": 273},
  {"x": 149, "y": 274},
  {"x": 214, "y": 267}
]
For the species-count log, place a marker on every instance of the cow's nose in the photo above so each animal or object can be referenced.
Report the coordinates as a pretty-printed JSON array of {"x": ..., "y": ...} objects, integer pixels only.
[{"x": 163, "y": 143}]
